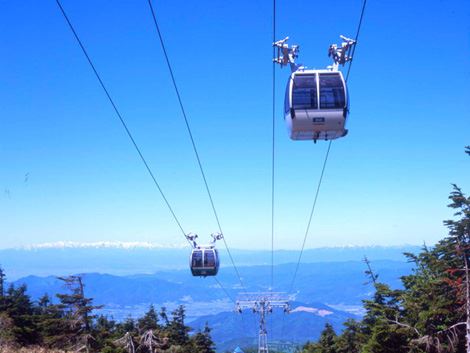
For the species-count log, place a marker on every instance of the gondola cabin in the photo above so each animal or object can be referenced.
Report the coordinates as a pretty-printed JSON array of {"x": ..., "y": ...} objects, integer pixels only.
[
  {"x": 316, "y": 105},
  {"x": 204, "y": 261}
]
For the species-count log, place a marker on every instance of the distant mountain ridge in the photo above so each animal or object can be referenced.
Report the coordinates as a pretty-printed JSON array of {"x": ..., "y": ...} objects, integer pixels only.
[
  {"x": 101, "y": 245},
  {"x": 339, "y": 285},
  {"x": 324, "y": 292},
  {"x": 153, "y": 245},
  {"x": 130, "y": 258}
]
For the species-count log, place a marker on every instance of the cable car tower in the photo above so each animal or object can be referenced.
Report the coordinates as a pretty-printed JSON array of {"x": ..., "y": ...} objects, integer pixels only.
[{"x": 263, "y": 304}]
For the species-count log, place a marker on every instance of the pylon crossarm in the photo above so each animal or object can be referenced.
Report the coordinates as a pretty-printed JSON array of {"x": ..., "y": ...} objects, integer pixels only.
[{"x": 262, "y": 304}]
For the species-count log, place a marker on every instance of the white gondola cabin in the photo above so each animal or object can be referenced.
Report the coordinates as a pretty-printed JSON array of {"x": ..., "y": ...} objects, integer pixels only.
[
  {"x": 316, "y": 105},
  {"x": 204, "y": 261}
]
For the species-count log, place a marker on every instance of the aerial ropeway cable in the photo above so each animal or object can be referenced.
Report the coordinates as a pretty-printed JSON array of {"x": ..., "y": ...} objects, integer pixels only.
[
  {"x": 210, "y": 259},
  {"x": 316, "y": 108},
  {"x": 316, "y": 103},
  {"x": 193, "y": 142},
  {"x": 121, "y": 119},
  {"x": 273, "y": 148},
  {"x": 341, "y": 55}
]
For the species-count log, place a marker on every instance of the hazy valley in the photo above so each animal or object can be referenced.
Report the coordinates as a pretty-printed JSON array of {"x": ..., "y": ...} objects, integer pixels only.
[{"x": 324, "y": 291}]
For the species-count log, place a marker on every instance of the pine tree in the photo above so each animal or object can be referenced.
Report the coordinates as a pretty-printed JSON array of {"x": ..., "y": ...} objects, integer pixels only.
[
  {"x": 149, "y": 321},
  {"x": 433, "y": 309},
  {"x": 104, "y": 332},
  {"x": 79, "y": 314},
  {"x": 176, "y": 331},
  {"x": 459, "y": 271},
  {"x": 429, "y": 300},
  {"x": 2, "y": 285},
  {"x": 7, "y": 337},
  {"x": 326, "y": 343},
  {"x": 381, "y": 322},
  {"x": 164, "y": 316},
  {"x": 202, "y": 341},
  {"x": 351, "y": 338},
  {"x": 327, "y": 339},
  {"x": 50, "y": 321},
  {"x": 19, "y": 308},
  {"x": 127, "y": 325}
]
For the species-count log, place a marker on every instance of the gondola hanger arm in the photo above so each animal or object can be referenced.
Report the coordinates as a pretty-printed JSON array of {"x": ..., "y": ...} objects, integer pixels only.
[
  {"x": 215, "y": 236},
  {"x": 286, "y": 55},
  {"x": 341, "y": 54},
  {"x": 192, "y": 238}
]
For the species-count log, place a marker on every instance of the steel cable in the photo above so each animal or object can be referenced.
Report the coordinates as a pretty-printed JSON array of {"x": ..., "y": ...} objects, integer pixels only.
[
  {"x": 121, "y": 119},
  {"x": 311, "y": 216},
  {"x": 273, "y": 147},
  {"x": 324, "y": 165},
  {"x": 188, "y": 127},
  {"x": 357, "y": 37}
]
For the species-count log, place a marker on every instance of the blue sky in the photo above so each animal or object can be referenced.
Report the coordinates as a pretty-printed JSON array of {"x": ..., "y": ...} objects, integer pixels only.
[{"x": 386, "y": 183}]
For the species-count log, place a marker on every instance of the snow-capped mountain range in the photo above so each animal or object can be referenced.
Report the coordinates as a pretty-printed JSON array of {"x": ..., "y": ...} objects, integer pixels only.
[
  {"x": 107, "y": 244},
  {"x": 102, "y": 245},
  {"x": 125, "y": 258}
]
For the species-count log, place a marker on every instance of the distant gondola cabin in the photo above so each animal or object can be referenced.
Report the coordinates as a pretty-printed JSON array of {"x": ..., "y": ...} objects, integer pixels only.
[{"x": 204, "y": 261}]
